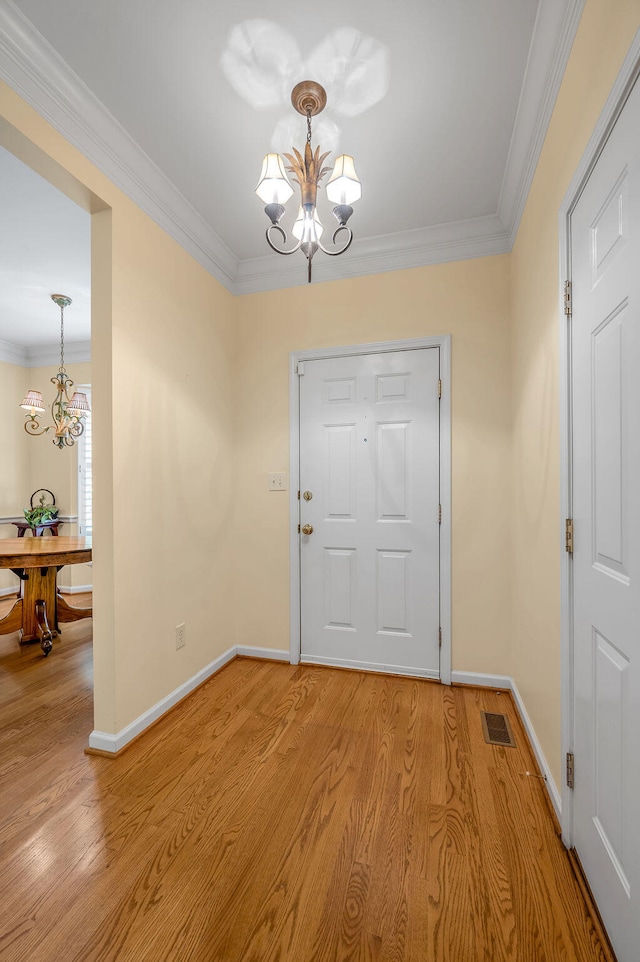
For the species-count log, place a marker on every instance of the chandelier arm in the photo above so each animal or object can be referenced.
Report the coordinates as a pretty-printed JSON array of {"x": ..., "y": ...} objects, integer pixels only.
[
  {"x": 31, "y": 426},
  {"x": 279, "y": 250},
  {"x": 333, "y": 240}
]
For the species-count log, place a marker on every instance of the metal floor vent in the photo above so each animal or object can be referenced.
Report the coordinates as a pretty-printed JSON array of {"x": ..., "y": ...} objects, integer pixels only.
[{"x": 497, "y": 730}]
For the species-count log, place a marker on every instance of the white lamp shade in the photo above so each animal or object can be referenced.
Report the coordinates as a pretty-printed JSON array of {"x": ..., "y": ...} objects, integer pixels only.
[
  {"x": 343, "y": 186},
  {"x": 306, "y": 228},
  {"x": 33, "y": 401},
  {"x": 273, "y": 186},
  {"x": 78, "y": 405}
]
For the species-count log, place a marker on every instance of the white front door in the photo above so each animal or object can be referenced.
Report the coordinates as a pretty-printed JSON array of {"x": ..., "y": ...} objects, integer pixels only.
[
  {"x": 605, "y": 254},
  {"x": 369, "y": 482}
]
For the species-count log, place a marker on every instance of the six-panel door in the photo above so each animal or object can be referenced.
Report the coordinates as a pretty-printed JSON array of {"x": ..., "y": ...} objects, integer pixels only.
[{"x": 369, "y": 458}]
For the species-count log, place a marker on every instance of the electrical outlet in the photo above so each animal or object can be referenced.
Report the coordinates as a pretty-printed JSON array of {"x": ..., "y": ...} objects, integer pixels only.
[
  {"x": 278, "y": 481},
  {"x": 181, "y": 636}
]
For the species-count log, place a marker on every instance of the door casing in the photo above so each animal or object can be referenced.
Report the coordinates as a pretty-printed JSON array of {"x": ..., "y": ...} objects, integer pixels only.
[
  {"x": 444, "y": 343},
  {"x": 627, "y": 77}
]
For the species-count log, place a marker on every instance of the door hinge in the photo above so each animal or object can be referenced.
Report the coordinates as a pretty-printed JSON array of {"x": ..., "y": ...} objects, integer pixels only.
[
  {"x": 439, "y": 637},
  {"x": 439, "y": 387},
  {"x": 300, "y": 368},
  {"x": 439, "y": 514},
  {"x": 568, "y": 535},
  {"x": 571, "y": 770},
  {"x": 567, "y": 298}
]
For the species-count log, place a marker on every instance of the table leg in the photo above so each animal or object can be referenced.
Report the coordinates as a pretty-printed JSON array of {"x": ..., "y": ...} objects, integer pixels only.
[
  {"x": 67, "y": 612},
  {"x": 38, "y": 588},
  {"x": 13, "y": 620},
  {"x": 46, "y": 635}
]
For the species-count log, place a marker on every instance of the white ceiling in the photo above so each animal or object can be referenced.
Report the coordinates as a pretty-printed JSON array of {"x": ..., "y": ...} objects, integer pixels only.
[{"x": 443, "y": 103}]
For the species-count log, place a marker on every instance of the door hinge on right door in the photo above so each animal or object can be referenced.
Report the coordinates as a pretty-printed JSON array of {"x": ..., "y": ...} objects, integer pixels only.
[
  {"x": 567, "y": 298},
  {"x": 571, "y": 770},
  {"x": 568, "y": 535}
]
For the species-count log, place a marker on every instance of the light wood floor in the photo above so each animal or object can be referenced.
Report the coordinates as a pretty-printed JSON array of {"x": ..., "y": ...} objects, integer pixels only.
[{"x": 279, "y": 814}]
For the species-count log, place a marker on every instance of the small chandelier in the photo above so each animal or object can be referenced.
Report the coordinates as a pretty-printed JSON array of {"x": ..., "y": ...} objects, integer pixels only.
[
  {"x": 68, "y": 415},
  {"x": 343, "y": 187}
]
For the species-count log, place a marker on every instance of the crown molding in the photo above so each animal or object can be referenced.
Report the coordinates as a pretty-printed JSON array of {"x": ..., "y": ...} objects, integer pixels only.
[
  {"x": 462, "y": 240},
  {"x": 31, "y": 67},
  {"x": 554, "y": 32},
  {"x": 41, "y": 355},
  {"x": 75, "y": 352},
  {"x": 13, "y": 353}
]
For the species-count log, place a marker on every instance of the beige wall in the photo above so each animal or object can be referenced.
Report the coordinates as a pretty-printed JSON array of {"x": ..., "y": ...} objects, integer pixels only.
[
  {"x": 14, "y": 460},
  {"x": 162, "y": 374},
  {"x": 470, "y": 301},
  {"x": 604, "y": 36}
]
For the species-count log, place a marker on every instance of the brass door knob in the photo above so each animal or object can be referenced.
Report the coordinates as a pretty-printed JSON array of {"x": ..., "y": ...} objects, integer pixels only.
[{"x": 307, "y": 529}]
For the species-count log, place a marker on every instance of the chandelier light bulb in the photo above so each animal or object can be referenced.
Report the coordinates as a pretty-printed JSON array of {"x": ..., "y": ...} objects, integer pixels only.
[{"x": 343, "y": 186}]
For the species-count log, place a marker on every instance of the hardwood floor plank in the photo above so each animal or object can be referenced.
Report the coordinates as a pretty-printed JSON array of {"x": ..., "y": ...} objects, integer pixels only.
[{"x": 280, "y": 814}]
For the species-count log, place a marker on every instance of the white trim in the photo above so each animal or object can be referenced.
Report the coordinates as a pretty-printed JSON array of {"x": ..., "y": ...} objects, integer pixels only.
[
  {"x": 481, "y": 680},
  {"x": 10, "y": 519},
  {"x": 552, "y": 788},
  {"x": 31, "y": 67},
  {"x": 620, "y": 91},
  {"x": 506, "y": 681},
  {"x": 417, "y": 343},
  {"x": 438, "y": 244},
  {"x": 14, "y": 353},
  {"x": 271, "y": 654},
  {"x": 4, "y": 592},
  {"x": 74, "y": 589},
  {"x": 75, "y": 352},
  {"x": 556, "y": 26},
  {"x": 369, "y": 666},
  {"x": 106, "y": 742}
]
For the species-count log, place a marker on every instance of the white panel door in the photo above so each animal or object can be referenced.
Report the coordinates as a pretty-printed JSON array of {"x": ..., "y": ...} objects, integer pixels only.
[
  {"x": 605, "y": 232},
  {"x": 369, "y": 458}
]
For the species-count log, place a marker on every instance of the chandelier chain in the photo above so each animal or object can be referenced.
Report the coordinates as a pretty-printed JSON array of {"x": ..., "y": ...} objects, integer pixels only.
[
  {"x": 309, "y": 125},
  {"x": 62, "y": 337}
]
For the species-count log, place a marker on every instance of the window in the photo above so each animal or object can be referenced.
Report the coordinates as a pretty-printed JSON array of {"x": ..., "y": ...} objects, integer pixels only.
[{"x": 85, "y": 486}]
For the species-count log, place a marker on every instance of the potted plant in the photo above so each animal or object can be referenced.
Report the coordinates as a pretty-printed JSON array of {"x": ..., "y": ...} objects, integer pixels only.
[{"x": 41, "y": 513}]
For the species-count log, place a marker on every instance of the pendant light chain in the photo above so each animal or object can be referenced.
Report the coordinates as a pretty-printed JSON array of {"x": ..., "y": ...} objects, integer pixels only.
[
  {"x": 309, "y": 125},
  {"x": 62, "y": 338}
]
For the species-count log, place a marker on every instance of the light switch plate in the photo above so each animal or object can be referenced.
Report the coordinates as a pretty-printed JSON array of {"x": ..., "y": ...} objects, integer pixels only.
[{"x": 278, "y": 481}]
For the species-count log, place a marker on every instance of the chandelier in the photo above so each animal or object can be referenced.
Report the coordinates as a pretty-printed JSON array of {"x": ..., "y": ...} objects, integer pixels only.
[
  {"x": 343, "y": 187},
  {"x": 68, "y": 415}
]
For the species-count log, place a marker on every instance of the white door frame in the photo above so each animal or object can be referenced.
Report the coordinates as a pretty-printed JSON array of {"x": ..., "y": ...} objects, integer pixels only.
[
  {"x": 413, "y": 344},
  {"x": 615, "y": 102}
]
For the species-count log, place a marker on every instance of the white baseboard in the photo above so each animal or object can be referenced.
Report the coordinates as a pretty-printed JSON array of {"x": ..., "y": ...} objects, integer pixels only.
[
  {"x": 483, "y": 681},
  {"x": 64, "y": 589},
  {"x": 272, "y": 654},
  {"x": 114, "y": 743},
  {"x": 106, "y": 742},
  {"x": 506, "y": 681}
]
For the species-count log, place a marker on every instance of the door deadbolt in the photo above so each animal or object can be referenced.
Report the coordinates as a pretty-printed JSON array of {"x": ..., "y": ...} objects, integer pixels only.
[
  {"x": 307, "y": 495},
  {"x": 307, "y": 529}
]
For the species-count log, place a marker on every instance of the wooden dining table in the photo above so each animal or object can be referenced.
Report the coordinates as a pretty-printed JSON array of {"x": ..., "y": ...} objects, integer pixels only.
[{"x": 40, "y": 607}]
